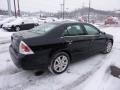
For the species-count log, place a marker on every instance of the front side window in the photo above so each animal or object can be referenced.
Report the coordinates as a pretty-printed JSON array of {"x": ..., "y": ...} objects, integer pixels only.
[
  {"x": 91, "y": 30},
  {"x": 73, "y": 30}
]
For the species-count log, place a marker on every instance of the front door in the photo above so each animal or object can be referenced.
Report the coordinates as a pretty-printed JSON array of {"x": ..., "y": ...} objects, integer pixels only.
[
  {"x": 97, "y": 38},
  {"x": 78, "y": 43}
]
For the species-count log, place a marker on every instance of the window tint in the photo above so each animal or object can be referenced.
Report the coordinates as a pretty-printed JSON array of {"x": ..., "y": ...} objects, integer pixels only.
[
  {"x": 91, "y": 30},
  {"x": 73, "y": 30}
]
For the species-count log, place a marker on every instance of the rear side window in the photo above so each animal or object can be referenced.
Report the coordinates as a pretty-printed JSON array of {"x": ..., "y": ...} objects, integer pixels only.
[
  {"x": 91, "y": 30},
  {"x": 44, "y": 28},
  {"x": 73, "y": 30}
]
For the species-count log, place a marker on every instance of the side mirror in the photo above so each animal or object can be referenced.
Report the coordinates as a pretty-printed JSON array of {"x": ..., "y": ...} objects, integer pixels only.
[
  {"x": 104, "y": 33},
  {"x": 22, "y": 23}
]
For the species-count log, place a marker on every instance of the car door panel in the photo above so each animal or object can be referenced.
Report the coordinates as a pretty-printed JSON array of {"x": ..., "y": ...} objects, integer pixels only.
[
  {"x": 98, "y": 42},
  {"x": 97, "y": 38},
  {"x": 78, "y": 44},
  {"x": 23, "y": 27},
  {"x": 30, "y": 25}
]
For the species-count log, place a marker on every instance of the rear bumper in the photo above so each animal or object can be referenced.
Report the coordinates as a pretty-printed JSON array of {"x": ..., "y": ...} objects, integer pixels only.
[{"x": 29, "y": 62}]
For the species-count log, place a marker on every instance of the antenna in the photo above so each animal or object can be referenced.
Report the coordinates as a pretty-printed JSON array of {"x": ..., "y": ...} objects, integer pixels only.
[
  {"x": 89, "y": 11},
  {"x": 15, "y": 8},
  {"x": 9, "y": 8}
]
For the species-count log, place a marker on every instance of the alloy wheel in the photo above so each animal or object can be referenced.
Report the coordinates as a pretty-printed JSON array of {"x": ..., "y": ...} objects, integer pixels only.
[
  {"x": 17, "y": 28},
  {"x": 109, "y": 47},
  {"x": 60, "y": 63}
]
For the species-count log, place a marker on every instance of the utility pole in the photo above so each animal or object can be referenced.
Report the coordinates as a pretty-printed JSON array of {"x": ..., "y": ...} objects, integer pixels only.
[
  {"x": 83, "y": 4},
  {"x": 82, "y": 13},
  {"x": 89, "y": 11},
  {"x": 9, "y": 8},
  {"x": 15, "y": 8},
  {"x": 18, "y": 8},
  {"x": 63, "y": 9}
]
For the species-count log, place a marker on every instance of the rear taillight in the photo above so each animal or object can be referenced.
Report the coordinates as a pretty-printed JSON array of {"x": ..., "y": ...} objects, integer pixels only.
[{"x": 25, "y": 49}]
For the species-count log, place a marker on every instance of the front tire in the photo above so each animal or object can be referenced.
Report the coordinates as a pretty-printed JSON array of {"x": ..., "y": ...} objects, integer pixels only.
[
  {"x": 108, "y": 47},
  {"x": 17, "y": 28},
  {"x": 59, "y": 63},
  {"x": 1, "y": 26}
]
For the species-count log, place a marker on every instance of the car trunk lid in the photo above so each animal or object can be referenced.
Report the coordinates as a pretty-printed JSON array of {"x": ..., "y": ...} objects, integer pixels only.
[{"x": 21, "y": 36}]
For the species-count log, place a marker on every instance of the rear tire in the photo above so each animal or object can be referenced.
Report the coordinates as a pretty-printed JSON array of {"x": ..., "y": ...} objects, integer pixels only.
[
  {"x": 108, "y": 47},
  {"x": 59, "y": 63},
  {"x": 17, "y": 28},
  {"x": 1, "y": 26}
]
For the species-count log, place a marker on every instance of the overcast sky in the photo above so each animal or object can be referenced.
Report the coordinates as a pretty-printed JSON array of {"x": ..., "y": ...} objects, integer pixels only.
[{"x": 54, "y": 5}]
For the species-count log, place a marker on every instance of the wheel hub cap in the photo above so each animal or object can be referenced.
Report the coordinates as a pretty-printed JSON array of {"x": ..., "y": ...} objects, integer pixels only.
[
  {"x": 109, "y": 47},
  {"x": 60, "y": 63}
]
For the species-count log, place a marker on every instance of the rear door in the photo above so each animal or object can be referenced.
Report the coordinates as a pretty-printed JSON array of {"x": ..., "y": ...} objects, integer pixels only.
[
  {"x": 78, "y": 43},
  {"x": 97, "y": 38},
  {"x": 28, "y": 24}
]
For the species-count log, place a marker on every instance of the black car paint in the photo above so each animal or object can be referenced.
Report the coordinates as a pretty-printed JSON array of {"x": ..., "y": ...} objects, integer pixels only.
[
  {"x": 27, "y": 26},
  {"x": 44, "y": 46},
  {"x": 1, "y": 25}
]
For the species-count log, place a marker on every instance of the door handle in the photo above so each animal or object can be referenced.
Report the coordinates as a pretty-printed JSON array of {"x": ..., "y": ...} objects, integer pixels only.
[{"x": 70, "y": 41}]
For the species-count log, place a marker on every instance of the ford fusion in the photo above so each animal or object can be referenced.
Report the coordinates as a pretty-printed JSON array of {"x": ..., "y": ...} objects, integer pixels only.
[{"x": 53, "y": 46}]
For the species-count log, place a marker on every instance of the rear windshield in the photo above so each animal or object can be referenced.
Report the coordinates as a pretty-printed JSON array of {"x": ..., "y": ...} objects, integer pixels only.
[{"x": 44, "y": 28}]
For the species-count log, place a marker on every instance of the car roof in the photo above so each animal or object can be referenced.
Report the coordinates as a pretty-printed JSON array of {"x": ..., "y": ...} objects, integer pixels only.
[
  {"x": 67, "y": 22},
  {"x": 64, "y": 22}
]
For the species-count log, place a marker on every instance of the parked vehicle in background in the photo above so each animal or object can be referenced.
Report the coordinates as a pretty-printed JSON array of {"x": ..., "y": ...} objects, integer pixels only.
[
  {"x": 42, "y": 21},
  {"x": 111, "y": 20},
  {"x": 20, "y": 24},
  {"x": 51, "y": 19},
  {"x": 70, "y": 20},
  {"x": 54, "y": 45},
  {"x": 7, "y": 20},
  {"x": 47, "y": 20},
  {"x": 80, "y": 19}
]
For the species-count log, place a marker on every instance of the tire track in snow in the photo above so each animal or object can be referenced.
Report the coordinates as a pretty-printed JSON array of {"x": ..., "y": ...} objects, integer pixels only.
[
  {"x": 32, "y": 81},
  {"x": 85, "y": 76},
  {"x": 82, "y": 78}
]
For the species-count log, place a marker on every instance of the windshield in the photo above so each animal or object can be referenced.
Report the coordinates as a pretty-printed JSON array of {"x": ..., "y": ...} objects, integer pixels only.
[{"x": 44, "y": 28}]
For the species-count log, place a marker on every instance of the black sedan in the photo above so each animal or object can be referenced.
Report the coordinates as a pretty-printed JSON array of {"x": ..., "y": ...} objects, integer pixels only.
[
  {"x": 20, "y": 24},
  {"x": 54, "y": 45}
]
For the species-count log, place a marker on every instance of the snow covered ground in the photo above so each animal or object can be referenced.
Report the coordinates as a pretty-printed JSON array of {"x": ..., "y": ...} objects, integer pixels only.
[
  {"x": 5, "y": 36},
  {"x": 89, "y": 74}
]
